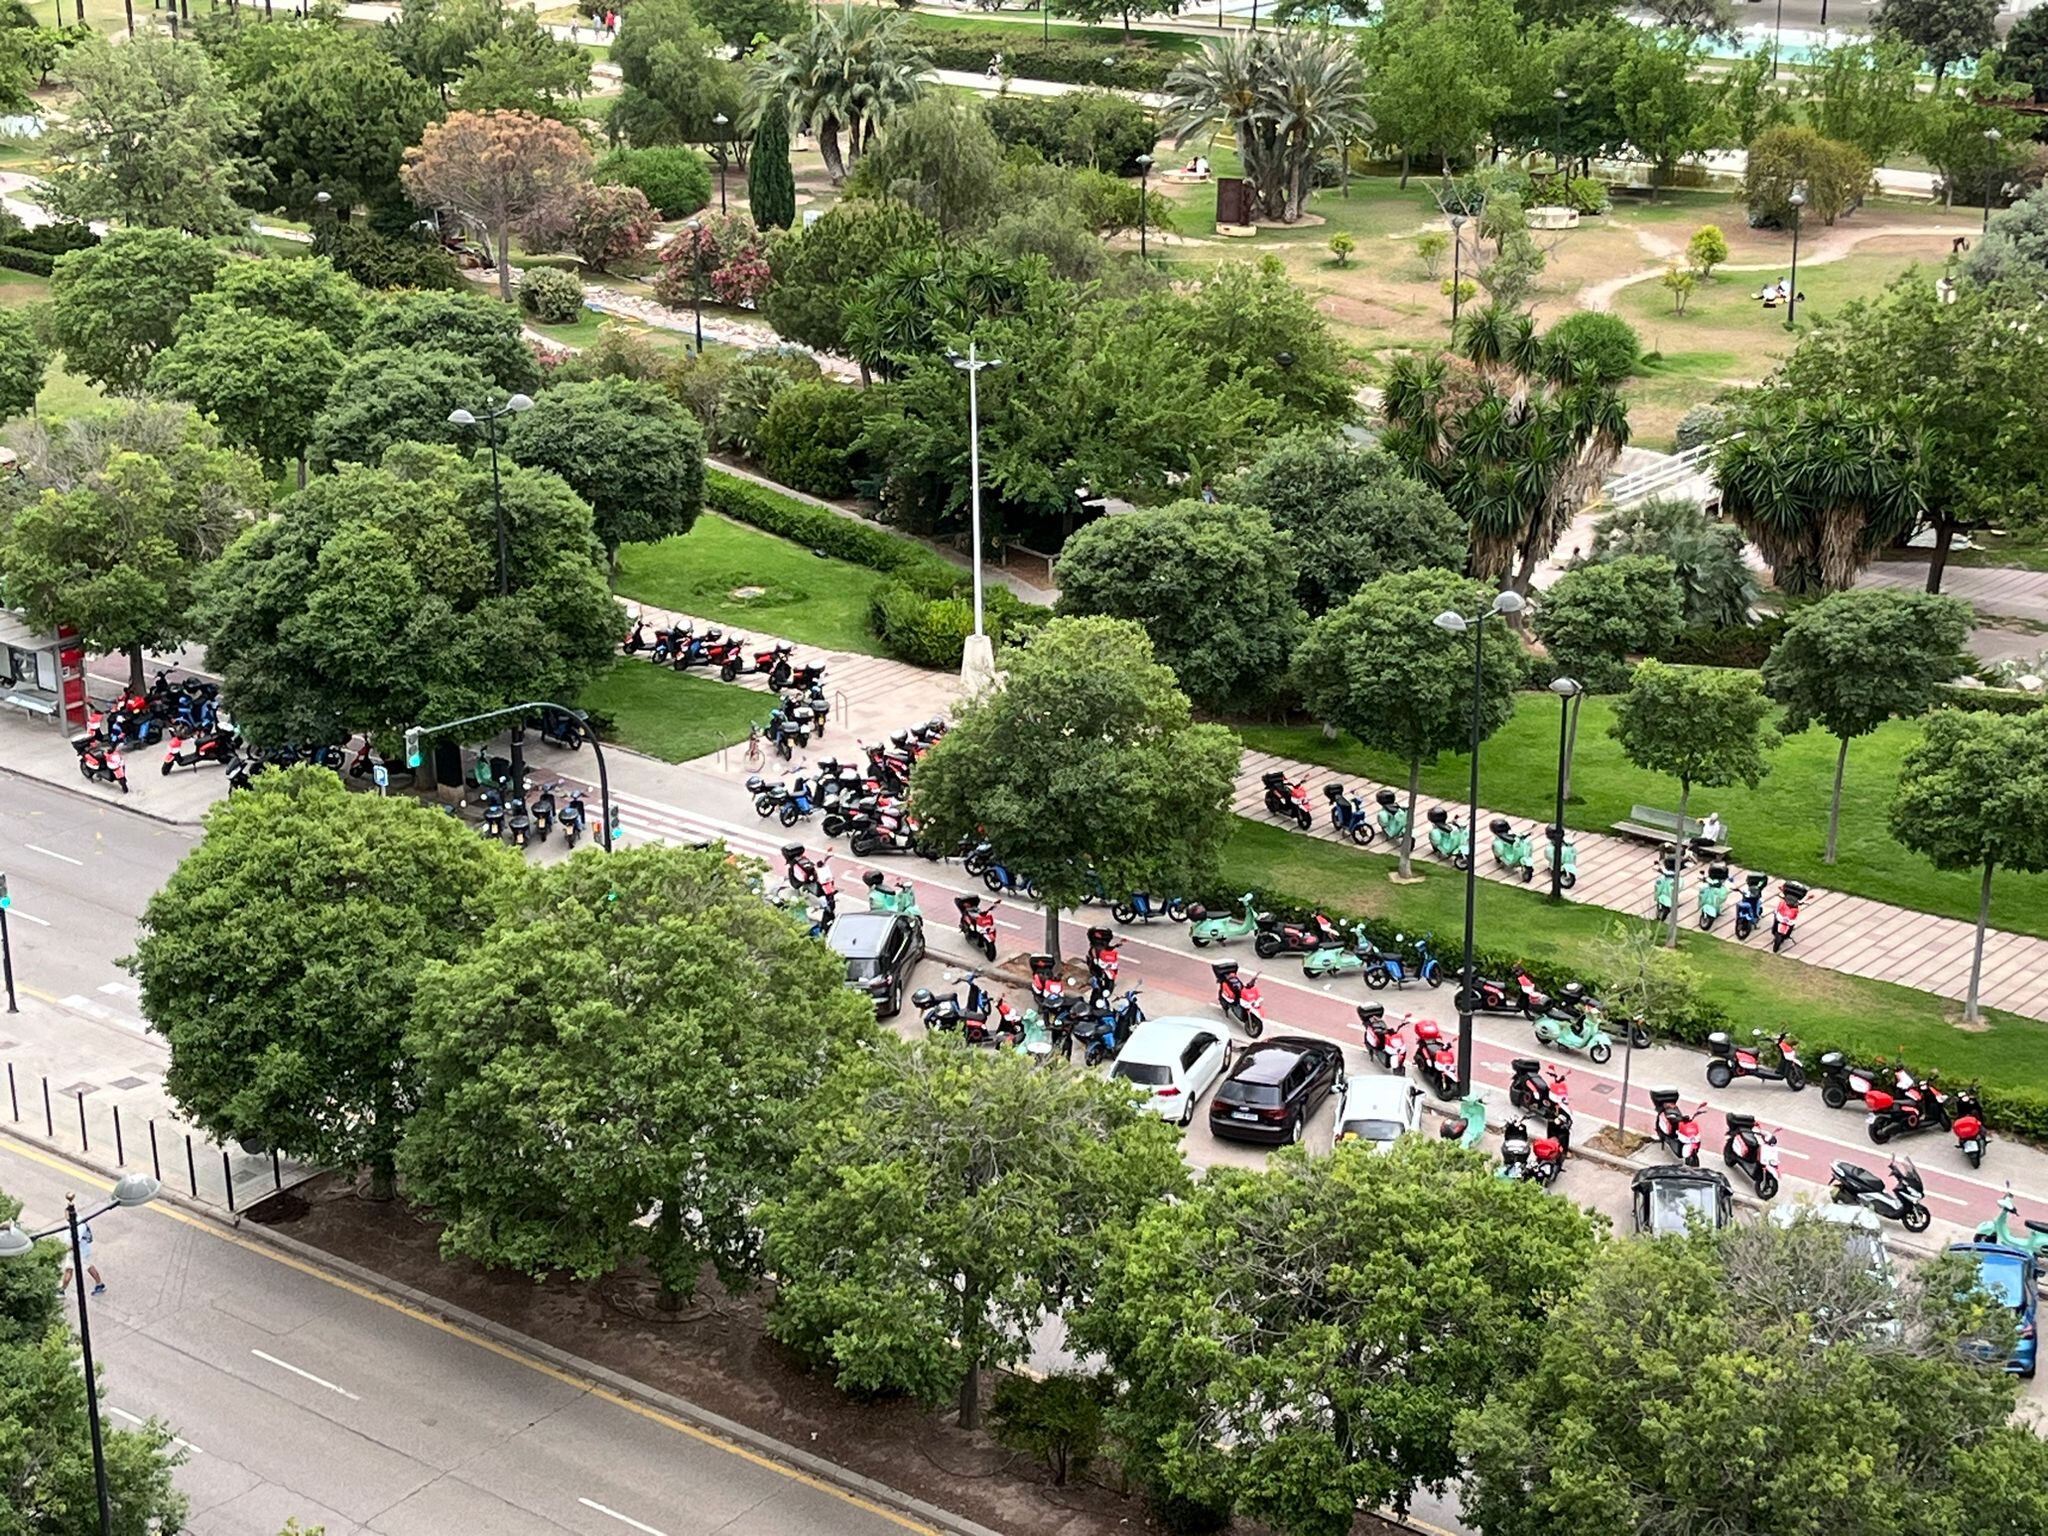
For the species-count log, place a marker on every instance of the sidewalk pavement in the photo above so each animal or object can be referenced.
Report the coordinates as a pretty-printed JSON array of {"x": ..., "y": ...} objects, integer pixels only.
[{"x": 1836, "y": 932}]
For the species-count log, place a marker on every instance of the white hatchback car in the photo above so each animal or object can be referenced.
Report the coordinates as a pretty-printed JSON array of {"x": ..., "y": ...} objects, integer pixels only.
[
  {"x": 1380, "y": 1110},
  {"x": 1175, "y": 1061}
]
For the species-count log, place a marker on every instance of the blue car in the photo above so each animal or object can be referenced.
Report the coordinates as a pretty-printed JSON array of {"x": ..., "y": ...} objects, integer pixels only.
[{"x": 2013, "y": 1276}]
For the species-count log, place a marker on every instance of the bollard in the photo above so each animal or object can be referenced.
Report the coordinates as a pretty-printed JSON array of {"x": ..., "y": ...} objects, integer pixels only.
[
  {"x": 84, "y": 1141},
  {"x": 120, "y": 1152},
  {"x": 191, "y": 1168},
  {"x": 227, "y": 1174},
  {"x": 13, "y": 1094},
  {"x": 49, "y": 1115},
  {"x": 276, "y": 1170}
]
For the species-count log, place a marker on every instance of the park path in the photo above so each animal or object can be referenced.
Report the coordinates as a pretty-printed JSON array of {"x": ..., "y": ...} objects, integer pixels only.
[
  {"x": 1830, "y": 247},
  {"x": 1836, "y": 932}
]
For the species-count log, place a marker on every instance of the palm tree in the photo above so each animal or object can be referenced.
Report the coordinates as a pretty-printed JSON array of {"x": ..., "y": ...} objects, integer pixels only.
[{"x": 847, "y": 71}]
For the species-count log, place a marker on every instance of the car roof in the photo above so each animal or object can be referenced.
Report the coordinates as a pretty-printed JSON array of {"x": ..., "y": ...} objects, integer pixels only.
[
  {"x": 1375, "y": 1098},
  {"x": 1160, "y": 1041},
  {"x": 1986, "y": 1253},
  {"x": 1268, "y": 1061},
  {"x": 860, "y": 934}
]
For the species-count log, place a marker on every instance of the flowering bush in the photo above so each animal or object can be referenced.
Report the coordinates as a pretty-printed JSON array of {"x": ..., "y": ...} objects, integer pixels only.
[{"x": 726, "y": 253}]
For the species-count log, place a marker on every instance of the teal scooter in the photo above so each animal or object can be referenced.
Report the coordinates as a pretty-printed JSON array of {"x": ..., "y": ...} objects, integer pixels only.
[
  {"x": 1339, "y": 959},
  {"x": 1559, "y": 846},
  {"x": 1666, "y": 889},
  {"x": 1392, "y": 816},
  {"x": 1449, "y": 839},
  {"x": 1580, "y": 1034},
  {"x": 1714, "y": 896},
  {"x": 1470, "y": 1125},
  {"x": 2033, "y": 1240},
  {"x": 883, "y": 897},
  {"x": 1222, "y": 929},
  {"x": 1513, "y": 851}
]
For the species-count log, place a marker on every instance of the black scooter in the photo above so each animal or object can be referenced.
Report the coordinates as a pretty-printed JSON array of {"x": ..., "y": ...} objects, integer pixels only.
[{"x": 1905, "y": 1202}]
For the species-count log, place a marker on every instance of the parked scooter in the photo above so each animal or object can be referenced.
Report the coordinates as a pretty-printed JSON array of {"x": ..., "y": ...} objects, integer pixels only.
[
  {"x": 518, "y": 821},
  {"x": 1238, "y": 996},
  {"x": 979, "y": 1015},
  {"x": 544, "y": 809},
  {"x": 1537, "y": 1158},
  {"x": 1791, "y": 897},
  {"x": 494, "y": 813},
  {"x": 1713, "y": 896},
  {"x": 1288, "y": 800},
  {"x": 1666, "y": 889},
  {"x": 1905, "y": 1202},
  {"x": 1840, "y": 1081},
  {"x": 1348, "y": 817},
  {"x": 1392, "y": 816},
  {"x": 1470, "y": 1126},
  {"x": 1100, "y": 1026},
  {"x": 1560, "y": 845},
  {"x": 1918, "y": 1107},
  {"x": 1382, "y": 968},
  {"x": 1582, "y": 1033},
  {"x": 1383, "y": 1041},
  {"x": 215, "y": 747},
  {"x": 1513, "y": 851},
  {"x": 802, "y": 871},
  {"x": 574, "y": 818},
  {"x": 742, "y": 665},
  {"x": 1488, "y": 996},
  {"x": 978, "y": 923},
  {"x": 1728, "y": 1061},
  {"x": 1436, "y": 1058},
  {"x": 1223, "y": 928},
  {"x": 1749, "y": 905},
  {"x": 1000, "y": 878},
  {"x": 1678, "y": 1130},
  {"x": 100, "y": 762},
  {"x": 1104, "y": 959},
  {"x": 1999, "y": 1229},
  {"x": 884, "y": 897},
  {"x": 1449, "y": 838},
  {"x": 1752, "y": 1152},
  {"x": 1144, "y": 908},
  {"x": 1535, "y": 1086}
]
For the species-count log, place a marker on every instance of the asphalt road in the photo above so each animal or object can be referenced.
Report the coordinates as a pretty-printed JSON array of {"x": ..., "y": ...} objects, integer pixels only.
[{"x": 299, "y": 1395}]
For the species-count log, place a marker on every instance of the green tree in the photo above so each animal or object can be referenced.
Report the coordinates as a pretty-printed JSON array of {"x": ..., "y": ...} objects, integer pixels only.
[
  {"x": 1700, "y": 726},
  {"x": 303, "y": 290},
  {"x": 675, "y": 180},
  {"x": 1707, "y": 249},
  {"x": 1441, "y": 74},
  {"x": 1978, "y": 146},
  {"x": 115, "y": 305},
  {"x": 1131, "y": 794},
  {"x": 1969, "y": 798},
  {"x": 942, "y": 1201},
  {"x": 1833, "y": 176},
  {"x": 263, "y": 380},
  {"x": 850, "y": 71},
  {"x": 1353, "y": 514},
  {"x": 1946, "y": 32},
  {"x": 30, "y": 1303},
  {"x": 2026, "y": 52},
  {"x": 1854, "y": 660},
  {"x": 1715, "y": 585},
  {"x": 317, "y": 910},
  {"x": 742, "y": 24},
  {"x": 390, "y": 395},
  {"x": 1414, "y": 1283},
  {"x": 503, "y": 173},
  {"x": 1380, "y": 668},
  {"x": 1213, "y": 585},
  {"x": 942, "y": 159},
  {"x": 817, "y": 272},
  {"x": 1864, "y": 93},
  {"x": 1808, "y": 1346},
  {"x": 628, "y": 449},
  {"x": 641, "y": 1035},
  {"x": 674, "y": 81},
  {"x": 1594, "y": 616},
  {"x": 2015, "y": 246},
  {"x": 468, "y": 324},
  {"x": 147, "y": 140},
  {"x": 23, "y": 362},
  {"x": 771, "y": 188},
  {"x": 433, "y": 40},
  {"x": 525, "y": 68},
  {"x": 1679, "y": 282},
  {"x": 1663, "y": 103},
  {"x": 118, "y": 556},
  {"x": 371, "y": 602}
]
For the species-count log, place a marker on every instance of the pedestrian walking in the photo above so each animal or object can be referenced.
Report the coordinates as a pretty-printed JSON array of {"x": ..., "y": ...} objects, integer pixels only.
[{"x": 99, "y": 1284}]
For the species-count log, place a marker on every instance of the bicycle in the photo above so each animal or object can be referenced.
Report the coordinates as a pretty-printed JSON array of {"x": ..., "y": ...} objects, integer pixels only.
[{"x": 755, "y": 756}]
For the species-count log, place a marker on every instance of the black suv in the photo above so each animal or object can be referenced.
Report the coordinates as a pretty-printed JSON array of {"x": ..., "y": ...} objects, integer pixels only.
[
  {"x": 880, "y": 949},
  {"x": 1274, "y": 1087}
]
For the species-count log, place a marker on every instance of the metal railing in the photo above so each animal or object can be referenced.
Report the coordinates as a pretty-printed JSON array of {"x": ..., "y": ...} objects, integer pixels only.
[{"x": 1640, "y": 485}]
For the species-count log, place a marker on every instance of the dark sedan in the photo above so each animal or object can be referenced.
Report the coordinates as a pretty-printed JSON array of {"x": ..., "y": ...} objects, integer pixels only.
[
  {"x": 880, "y": 949},
  {"x": 1274, "y": 1088}
]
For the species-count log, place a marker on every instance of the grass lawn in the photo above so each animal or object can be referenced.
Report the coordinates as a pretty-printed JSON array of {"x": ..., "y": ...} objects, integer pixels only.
[
  {"x": 1781, "y": 826},
  {"x": 808, "y": 598},
  {"x": 20, "y": 289},
  {"x": 1758, "y": 989},
  {"x": 2023, "y": 549},
  {"x": 1005, "y": 28},
  {"x": 669, "y": 714}
]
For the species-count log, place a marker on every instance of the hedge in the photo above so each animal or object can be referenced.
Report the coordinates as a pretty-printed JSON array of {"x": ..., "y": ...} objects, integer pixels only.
[
  {"x": 55, "y": 239},
  {"x": 1997, "y": 701},
  {"x": 1133, "y": 68},
  {"x": 1706, "y": 646},
  {"x": 35, "y": 263},
  {"x": 813, "y": 527}
]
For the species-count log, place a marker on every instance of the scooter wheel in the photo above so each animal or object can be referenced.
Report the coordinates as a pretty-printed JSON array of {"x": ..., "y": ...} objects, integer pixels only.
[
  {"x": 1254, "y": 1027},
  {"x": 988, "y": 948},
  {"x": 764, "y": 806},
  {"x": 1881, "y": 1130},
  {"x": 1915, "y": 1218},
  {"x": 1795, "y": 1076},
  {"x": 1742, "y": 929},
  {"x": 1306, "y": 821},
  {"x": 1832, "y": 1096},
  {"x": 1376, "y": 979},
  {"x": 1777, "y": 942},
  {"x": 1976, "y": 1158},
  {"x": 789, "y": 813},
  {"x": 1200, "y": 939},
  {"x": 1265, "y": 946},
  {"x": 1600, "y": 1054},
  {"x": 1568, "y": 880},
  {"x": 728, "y": 672},
  {"x": 1706, "y": 923},
  {"x": 993, "y": 881},
  {"x": 1718, "y": 1075},
  {"x": 1639, "y": 1037},
  {"x": 1766, "y": 1185},
  {"x": 167, "y": 770},
  {"x": 1360, "y": 835},
  {"x": 1461, "y": 861},
  {"x": 1528, "y": 873},
  {"x": 1122, "y": 913},
  {"x": 1465, "y": 1002},
  {"x": 1177, "y": 910}
]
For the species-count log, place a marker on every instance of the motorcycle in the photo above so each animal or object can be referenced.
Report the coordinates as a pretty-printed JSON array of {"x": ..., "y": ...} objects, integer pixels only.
[
  {"x": 802, "y": 871},
  {"x": 1348, "y": 817},
  {"x": 1436, "y": 1058},
  {"x": 1338, "y": 959},
  {"x": 1513, "y": 851},
  {"x": 1560, "y": 847},
  {"x": 1238, "y": 997},
  {"x": 1576, "y": 1034},
  {"x": 1791, "y": 897},
  {"x": 1143, "y": 908},
  {"x": 1840, "y": 1082},
  {"x": 1222, "y": 928},
  {"x": 1382, "y": 968},
  {"x": 1535, "y": 1086},
  {"x": 1713, "y": 896},
  {"x": 1678, "y": 1130},
  {"x": 1391, "y": 815},
  {"x": 1924, "y": 1107},
  {"x": 1905, "y": 1202},
  {"x": 1729, "y": 1061},
  {"x": 100, "y": 762},
  {"x": 215, "y": 747},
  {"x": 884, "y": 897},
  {"x": 573, "y": 818},
  {"x": 2000, "y": 1229},
  {"x": 1287, "y": 800},
  {"x": 1749, "y": 905},
  {"x": 1752, "y": 1152},
  {"x": 1486, "y": 995},
  {"x": 1383, "y": 1042},
  {"x": 1470, "y": 1126},
  {"x": 978, "y": 923},
  {"x": 1449, "y": 838},
  {"x": 544, "y": 809}
]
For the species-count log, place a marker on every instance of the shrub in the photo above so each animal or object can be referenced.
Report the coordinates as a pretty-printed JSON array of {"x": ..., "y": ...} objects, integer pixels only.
[
  {"x": 1702, "y": 424},
  {"x": 1133, "y": 66},
  {"x": 550, "y": 295},
  {"x": 1081, "y": 128},
  {"x": 1594, "y": 615},
  {"x": 1835, "y": 176},
  {"x": 1707, "y": 645},
  {"x": 1584, "y": 195},
  {"x": 1605, "y": 343},
  {"x": 1707, "y": 249},
  {"x": 385, "y": 261},
  {"x": 807, "y": 434},
  {"x": 35, "y": 263},
  {"x": 676, "y": 181},
  {"x": 750, "y": 388},
  {"x": 611, "y": 223},
  {"x": 817, "y": 528},
  {"x": 1679, "y": 282},
  {"x": 1432, "y": 247},
  {"x": 924, "y": 631},
  {"x": 53, "y": 239},
  {"x": 725, "y": 258},
  {"x": 1058, "y": 1419},
  {"x": 1342, "y": 244}
]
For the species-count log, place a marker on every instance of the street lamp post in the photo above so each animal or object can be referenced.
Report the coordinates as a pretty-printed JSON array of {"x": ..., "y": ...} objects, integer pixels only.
[
  {"x": 1457, "y": 267},
  {"x": 133, "y": 1189},
  {"x": 1504, "y": 603},
  {"x": 1992, "y": 138},
  {"x": 6, "y": 945},
  {"x": 514, "y": 406},
  {"x": 1145, "y": 179},
  {"x": 720, "y": 120},
  {"x": 1560, "y": 96},
  {"x": 977, "y": 659},
  {"x": 1568, "y": 694},
  {"x": 1777, "y": 33},
  {"x": 1798, "y": 201},
  {"x": 696, "y": 230}
]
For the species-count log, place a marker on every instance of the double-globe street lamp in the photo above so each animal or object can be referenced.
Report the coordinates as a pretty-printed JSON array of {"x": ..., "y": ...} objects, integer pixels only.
[
  {"x": 977, "y": 657},
  {"x": 1570, "y": 695},
  {"x": 1504, "y": 604},
  {"x": 517, "y": 405},
  {"x": 1992, "y": 139},
  {"x": 1798, "y": 202},
  {"x": 132, "y": 1190},
  {"x": 720, "y": 120}
]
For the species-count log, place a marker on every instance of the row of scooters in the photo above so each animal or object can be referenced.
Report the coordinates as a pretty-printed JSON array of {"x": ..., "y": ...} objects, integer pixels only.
[
  {"x": 508, "y": 814},
  {"x": 864, "y": 798},
  {"x": 1717, "y": 891},
  {"x": 680, "y": 646},
  {"x": 1514, "y": 849},
  {"x": 1095, "y": 1020}
]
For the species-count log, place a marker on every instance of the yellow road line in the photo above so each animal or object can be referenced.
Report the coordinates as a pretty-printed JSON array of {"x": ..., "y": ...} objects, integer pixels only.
[{"x": 504, "y": 1351}]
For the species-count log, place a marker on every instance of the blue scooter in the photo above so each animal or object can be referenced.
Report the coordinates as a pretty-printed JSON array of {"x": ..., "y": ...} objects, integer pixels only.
[
  {"x": 1003, "y": 880},
  {"x": 1145, "y": 908},
  {"x": 1749, "y": 906},
  {"x": 1102, "y": 1027},
  {"x": 1348, "y": 815},
  {"x": 1381, "y": 967}
]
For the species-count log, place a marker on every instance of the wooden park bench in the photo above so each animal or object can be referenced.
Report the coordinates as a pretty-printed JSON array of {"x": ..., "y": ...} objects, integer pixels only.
[{"x": 1654, "y": 826}]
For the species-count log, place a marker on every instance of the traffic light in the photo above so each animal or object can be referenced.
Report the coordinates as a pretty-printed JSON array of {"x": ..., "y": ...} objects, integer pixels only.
[
  {"x": 412, "y": 747},
  {"x": 6, "y": 900}
]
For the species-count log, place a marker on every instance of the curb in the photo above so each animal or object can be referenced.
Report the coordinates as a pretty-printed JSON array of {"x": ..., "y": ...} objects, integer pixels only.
[
  {"x": 123, "y": 804},
  {"x": 575, "y": 1366}
]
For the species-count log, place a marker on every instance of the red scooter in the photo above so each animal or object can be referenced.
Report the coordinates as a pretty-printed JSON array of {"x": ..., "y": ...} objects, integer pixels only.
[
  {"x": 1436, "y": 1058},
  {"x": 1048, "y": 985},
  {"x": 100, "y": 763},
  {"x": 1276, "y": 937},
  {"x": 1288, "y": 801},
  {"x": 1678, "y": 1129},
  {"x": 1922, "y": 1107},
  {"x": 1384, "y": 1042},
  {"x": 978, "y": 923},
  {"x": 1103, "y": 958},
  {"x": 736, "y": 665},
  {"x": 1238, "y": 997},
  {"x": 1791, "y": 896},
  {"x": 1729, "y": 1061},
  {"x": 1535, "y": 1086},
  {"x": 216, "y": 747}
]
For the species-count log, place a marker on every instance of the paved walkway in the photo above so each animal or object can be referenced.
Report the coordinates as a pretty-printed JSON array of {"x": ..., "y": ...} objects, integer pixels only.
[{"x": 1838, "y": 932}]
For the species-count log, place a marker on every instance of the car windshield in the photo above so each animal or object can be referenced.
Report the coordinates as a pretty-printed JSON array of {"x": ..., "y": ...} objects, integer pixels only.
[
  {"x": 1144, "y": 1073},
  {"x": 1372, "y": 1130},
  {"x": 1672, "y": 1204},
  {"x": 2004, "y": 1278},
  {"x": 863, "y": 967},
  {"x": 1249, "y": 1093}
]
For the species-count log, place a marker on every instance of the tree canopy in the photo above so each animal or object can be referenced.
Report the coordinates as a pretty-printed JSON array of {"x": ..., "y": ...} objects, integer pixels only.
[
  {"x": 115, "y": 305},
  {"x": 390, "y": 395},
  {"x": 1947, "y": 32},
  {"x": 1594, "y": 616},
  {"x": 23, "y": 362},
  {"x": 263, "y": 380},
  {"x": 470, "y": 325},
  {"x": 506, "y": 172}
]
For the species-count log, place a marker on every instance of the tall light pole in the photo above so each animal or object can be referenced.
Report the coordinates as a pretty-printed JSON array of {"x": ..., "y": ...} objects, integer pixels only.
[
  {"x": 1457, "y": 267},
  {"x": 1560, "y": 96},
  {"x": 1145, "y": 178},
  {"x": 977, "y": 658},
  {"x": 6, "y": 946},
  {"x": 720, "y": 120},
  {"x": 696, "y": 232},
  {"x": 133, "y": 1189},
  {"x": 1992, "y": 137},
  {"x": 1569, "y": 693},
  {"x": 1798, "y": 202},
  {"x": 515, "y": 406},
  {"x": 1777, "y": 33},
  {"x": 1504, "y": 603}
]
